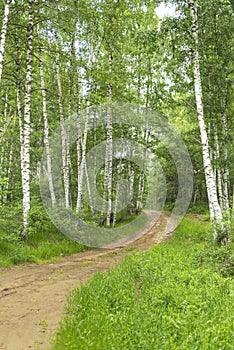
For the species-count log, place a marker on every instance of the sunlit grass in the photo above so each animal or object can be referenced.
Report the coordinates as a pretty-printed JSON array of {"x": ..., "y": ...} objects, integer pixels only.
[{"x": 167, "y": 298}]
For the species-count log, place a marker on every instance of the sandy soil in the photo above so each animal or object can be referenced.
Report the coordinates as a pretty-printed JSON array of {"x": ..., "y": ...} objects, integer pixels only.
[{"x": 33, "y": 297}]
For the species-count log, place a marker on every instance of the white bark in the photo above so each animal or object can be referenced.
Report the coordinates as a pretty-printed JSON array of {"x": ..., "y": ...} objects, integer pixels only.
[
  {"x": 109, "y": 149},
  {"x": 225, "y": 172},
  {"x": 26, "y": 125},
  {"x": 95, "y": 160},
  {"x": 107, "y": 187},
  {"x": 115, "y": 210},
  {"x": 21, "y": 131},
  {"x": 81, "y": 158},
  {"x": 9, "y": 170},
  {"x": 63, "y": 130},
  {"x": 218, "y": 172},
  {"x": 46, "y": 131},
  {"x": 3, "y": 34},
  {"x": 109, "y": 168},
  {"x": 5, "y": 122},
  {"x": 105, "y": 181},
  {"x": 88, "y": 188},
  {"x": 131, "y": 178},
  {"x": 81, "y": 168},
  {"x": 141, "y": 187},
  {"x": 211, "y": 210},
  {"x": 70, "y": 88},
  {"x": 209, "y": 175},
  {"x": 78, "y": 151},
  {"x": 3, "y": 157}
]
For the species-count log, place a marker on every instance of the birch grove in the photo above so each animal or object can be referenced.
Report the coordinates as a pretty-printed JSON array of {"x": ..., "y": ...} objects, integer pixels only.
[{"x": 85, "y": 55}]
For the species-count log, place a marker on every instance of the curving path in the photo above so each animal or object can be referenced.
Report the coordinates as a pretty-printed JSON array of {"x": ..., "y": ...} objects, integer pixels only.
[{"x": 32, "y": 297}]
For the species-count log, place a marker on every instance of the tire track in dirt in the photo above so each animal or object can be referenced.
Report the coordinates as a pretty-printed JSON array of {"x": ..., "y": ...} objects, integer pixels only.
[{"x": 32, "y": 297}]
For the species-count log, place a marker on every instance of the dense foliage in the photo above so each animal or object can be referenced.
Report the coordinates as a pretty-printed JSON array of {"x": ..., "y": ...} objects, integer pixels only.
[
  {"x": 45, "y": 242},
  {"x": 59, "y": 57}
]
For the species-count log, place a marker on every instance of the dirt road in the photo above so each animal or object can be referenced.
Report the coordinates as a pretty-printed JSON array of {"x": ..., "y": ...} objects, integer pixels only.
[{"x": 33, "y": 297}]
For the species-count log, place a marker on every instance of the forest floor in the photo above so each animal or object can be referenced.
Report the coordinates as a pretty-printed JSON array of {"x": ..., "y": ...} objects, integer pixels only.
[{"x": 33, "y": 297}]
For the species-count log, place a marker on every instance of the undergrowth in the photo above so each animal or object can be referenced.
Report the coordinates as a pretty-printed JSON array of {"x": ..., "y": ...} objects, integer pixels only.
[
  {"x": 44, "y": 244},
  {"x": 178, "y": 295}
]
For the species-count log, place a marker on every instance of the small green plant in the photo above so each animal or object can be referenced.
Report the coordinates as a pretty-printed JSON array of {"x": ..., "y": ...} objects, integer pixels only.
[
  {"x": 198, "y": 208},
  {"x": 220, "y": 258},
  {"x": 44, "y": 325},
  {"x": 223, "y": 231}
]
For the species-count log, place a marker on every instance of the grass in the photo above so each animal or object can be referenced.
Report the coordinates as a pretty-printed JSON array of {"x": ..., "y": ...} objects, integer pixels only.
[
  {"x": 178, "y": 295},
  {"x": 52, "y": 247},
  {"x": 45, "y": 243},
  {"x": 128, "y": 227}
]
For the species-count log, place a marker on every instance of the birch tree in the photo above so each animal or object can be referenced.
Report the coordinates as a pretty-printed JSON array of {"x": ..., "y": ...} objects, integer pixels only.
[
  {"x": 63, "y": 127},
  {"x": 119, "y": 170},
  {"x": 141, "y": 185},
  {"x": 107, "y": 193},
  {"x": 26, "y": 128},
  {"x": 217, "y": 70},
  {"x": 46, "y": 128},
  {"x": 82, "y": 165},
  {"x": 3, "y": 34},
  {"x": 215, "y": 210}
]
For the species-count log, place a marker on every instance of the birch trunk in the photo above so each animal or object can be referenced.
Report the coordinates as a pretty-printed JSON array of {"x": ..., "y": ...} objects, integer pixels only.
[
  {"x": 9, "y": 172},
  {"x": 89, "y": 189},
  {"x": 224, "y": 101},
  {"x": 69, "y": 127},
  {"x": 130, "y": 176},
  {"x": 107, "y": 186},
  {"x": 19, "y": 107},
  {"x": 3, "y": 150},
  {"x": 107, "y": 193},
  {"x": 109, "y": 168},
  {"x": 63, "y": 130},
  {"x": 78, "y": 151},
  {"x": 3, "y": 34},
  {"x": 70, "y": 90},
  {"x": 4, "y": 132},
  {"x": 131, "y": 186},
  {"x": 81, "y": 168},
  {"x": 218, "y": 171},
  {"x": 46, "y": 131},
  {"x": 212, "y": 152},
  {"x": 95, "y": 161},
  {"x": 27, "y": 116},
  {"x": 215, "y": 211},
  {"x": 225, "y": 172},
  {"x": 118, "y": 184},
  {"x": 141, "y": 187},
  {"x": 109, "y": 149}
]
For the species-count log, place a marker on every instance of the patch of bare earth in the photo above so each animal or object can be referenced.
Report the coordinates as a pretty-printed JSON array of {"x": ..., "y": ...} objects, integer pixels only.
[{"x": 33, "y": 297}]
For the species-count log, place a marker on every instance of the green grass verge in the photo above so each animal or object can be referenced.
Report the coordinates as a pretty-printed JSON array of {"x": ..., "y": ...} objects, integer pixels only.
[
  {"x": 52, "y": 247},
  {"x": 45, "y": 243},
  {"x": 178, "y": 295}
]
